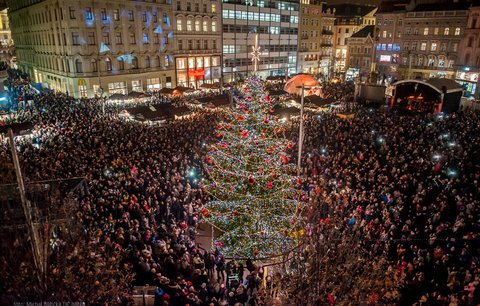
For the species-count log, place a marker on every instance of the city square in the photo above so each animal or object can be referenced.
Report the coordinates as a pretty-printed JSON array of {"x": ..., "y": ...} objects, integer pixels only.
[{"x": 240, "y": 153}]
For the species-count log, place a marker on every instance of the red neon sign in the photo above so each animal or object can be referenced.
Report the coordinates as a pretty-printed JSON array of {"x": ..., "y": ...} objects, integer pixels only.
[{"x": 197, "y": 73}]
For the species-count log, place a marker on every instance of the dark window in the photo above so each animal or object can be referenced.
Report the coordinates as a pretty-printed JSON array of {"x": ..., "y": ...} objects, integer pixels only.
[
  {"x": 104, "y": 14},
  {"x": 75, "y": 39},
  {"x": 72, "y": 12}
]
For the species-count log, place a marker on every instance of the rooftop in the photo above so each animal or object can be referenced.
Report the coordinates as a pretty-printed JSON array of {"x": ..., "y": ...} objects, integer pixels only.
[
  {"x": 368, "y": 30},
  {"x": 446, "y": 6},
  {"x": 352, "y": 10},
  {"x": 394, "y": 6}
]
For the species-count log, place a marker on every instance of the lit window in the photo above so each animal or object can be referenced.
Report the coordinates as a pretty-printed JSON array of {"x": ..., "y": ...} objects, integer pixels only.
[
  {"x": 435, "y": 32},
  {"x": 197, "y": 25},
  {"x": 433, "y": 47},
  {"x": 189, "y": 25},
  {"x": 146, "y": 40},
  {"x": 457, "y": 31},
  {"x": 205, "y": 26},
  {"x": 425, "y": 31},
  {"x": 423, "y": 46},
  {"x": 214, "y": 26},
  {"x": 108, "y": 63},
  {"x": 88, "y": 14},
  {"x": 446, "y": 31},
  {"x": 214, "y": 8},
  {"x": 179, "y": 25}
]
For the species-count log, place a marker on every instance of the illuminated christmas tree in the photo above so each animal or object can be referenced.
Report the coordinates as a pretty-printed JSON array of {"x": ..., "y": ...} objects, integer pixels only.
[{"x": 256, "y": 200}]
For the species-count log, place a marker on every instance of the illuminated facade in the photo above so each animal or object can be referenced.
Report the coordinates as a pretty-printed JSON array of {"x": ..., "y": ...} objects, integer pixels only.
[
  {"x": 326, "y": 45},
  {"x": 468, "y": 69},
  {"x": 275, "y": 22},
  {"x": 432, "y": 34},
  {"x": 349, "y": 18},
  {"x": 90, "y": 47},
  {"x": 310, "y": 36},
  {"x": 198, "y": 41},
  {"x": 6, "y": 42},
  {"x": 361, "y": 53},
  {"x": 390, "y": 20}
]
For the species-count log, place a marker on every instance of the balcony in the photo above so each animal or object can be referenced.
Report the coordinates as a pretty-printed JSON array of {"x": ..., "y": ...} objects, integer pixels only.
[
  {"x": 326, "y": 45},
  {"x": 327, "y": 32}
]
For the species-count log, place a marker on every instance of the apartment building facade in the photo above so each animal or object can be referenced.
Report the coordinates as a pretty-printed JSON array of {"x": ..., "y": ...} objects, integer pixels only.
[
  {"x": 94, "y": 48},
  {"x": 432, "y": 35},
  {"x": 361, "y": 55},
  {"x": 276, "y": 24},
  {"x": 326, "y": 45},
  {"x": 6, "y": 42},
  {"x": 349, "y": 18},
  {"x": 197, "y": 42},
  {"x": 468, "y": 68},
  {"x": 310, "y": 36}
]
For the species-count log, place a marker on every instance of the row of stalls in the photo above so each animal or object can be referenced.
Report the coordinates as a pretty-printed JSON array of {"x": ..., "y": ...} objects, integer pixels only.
[{"x": 159, "y": 113}]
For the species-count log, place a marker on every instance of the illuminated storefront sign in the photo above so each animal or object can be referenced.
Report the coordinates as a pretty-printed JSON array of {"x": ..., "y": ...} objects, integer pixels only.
[{"x": 467, "y": 76}]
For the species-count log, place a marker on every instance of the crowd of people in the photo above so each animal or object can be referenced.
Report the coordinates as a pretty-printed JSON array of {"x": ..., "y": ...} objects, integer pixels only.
[
  {"x": 410, "y": 180},
  {"x": 140, "y": 198}
]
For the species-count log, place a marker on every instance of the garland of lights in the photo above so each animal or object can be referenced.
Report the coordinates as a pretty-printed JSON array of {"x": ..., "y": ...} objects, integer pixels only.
[{"x": 256, "y": 199}]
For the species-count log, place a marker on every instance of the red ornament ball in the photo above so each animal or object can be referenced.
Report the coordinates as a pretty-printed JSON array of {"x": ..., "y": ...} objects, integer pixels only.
[
  {"x": 251, "y": 180},
  {"x": 269, "y": 185}
]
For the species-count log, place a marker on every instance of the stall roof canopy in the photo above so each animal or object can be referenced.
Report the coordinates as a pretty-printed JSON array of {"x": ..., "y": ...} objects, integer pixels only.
[
  {"x": 209, "y": 99},
  {"x": 436, "y": 84},
  {"x": 159, "y": 112},
  {"x": 17, "y": 128},
  {"x": 318, "y": 101}
]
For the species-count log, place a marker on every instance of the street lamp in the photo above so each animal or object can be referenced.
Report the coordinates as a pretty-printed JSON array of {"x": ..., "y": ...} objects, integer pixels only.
[{"x": 301, "y": 131}]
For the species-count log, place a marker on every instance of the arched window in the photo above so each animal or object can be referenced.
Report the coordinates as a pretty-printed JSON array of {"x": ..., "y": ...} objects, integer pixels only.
[
  {"x": 94, "y": 65},
  {"x": 197, "y": 25},
  {"x": 78, "y": 66},
  {"x": 214, "y": 26},
  {"x": 457, "y": 31},
  {"x": 121, "y": 64},
  {"x": 108, "y": 63},
  {"x": 179, "y": 25},
  {"x": 441, "y": 61},
  {"x": 205, "y": 26},
  {"x": 147, "y": 62},
  {"x": 189, "y": 25},
  {"x": 446, "y": 32},
  {"x": 134, "y": 62}
]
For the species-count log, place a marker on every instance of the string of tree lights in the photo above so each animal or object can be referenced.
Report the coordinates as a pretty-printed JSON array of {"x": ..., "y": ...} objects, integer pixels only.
[{"x": 256, "y": 200}]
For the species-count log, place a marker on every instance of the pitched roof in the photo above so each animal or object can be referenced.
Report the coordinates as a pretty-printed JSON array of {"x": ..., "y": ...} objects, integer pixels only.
[
  {"x": 368, "y": 30},
  {"x": 446, "y": 6},
  {"x": 393, "y": 6},
  {"x": 351, "y": 10}
]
